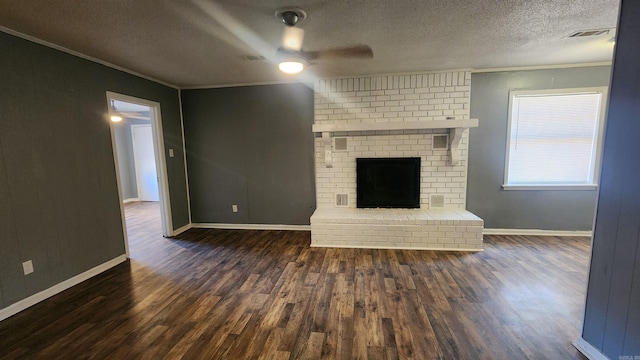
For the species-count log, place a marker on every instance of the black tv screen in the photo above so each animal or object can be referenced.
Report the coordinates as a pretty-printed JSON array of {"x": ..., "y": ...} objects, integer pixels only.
[{"x": 388, "y": 182}]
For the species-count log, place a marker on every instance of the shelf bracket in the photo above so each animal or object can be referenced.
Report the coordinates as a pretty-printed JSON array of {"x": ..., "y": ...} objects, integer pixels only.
[
  {"x": 328, "y": 155},
  {"x": 455, "y": 134}
]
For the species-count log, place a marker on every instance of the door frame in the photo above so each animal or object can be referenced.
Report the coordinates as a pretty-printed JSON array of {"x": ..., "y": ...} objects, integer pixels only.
[{"x": 161, "y": 163}]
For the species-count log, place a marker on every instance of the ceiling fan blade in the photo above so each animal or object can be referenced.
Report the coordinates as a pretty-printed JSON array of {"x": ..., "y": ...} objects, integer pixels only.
[
  {"x": 359, "y": 51},
  {"x": 292, "y": 38},
  {"x": 133, "y": 115}
]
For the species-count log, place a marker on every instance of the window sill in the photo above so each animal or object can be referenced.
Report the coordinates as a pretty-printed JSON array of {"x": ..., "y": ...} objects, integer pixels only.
[{"x": 550, "y": 187}]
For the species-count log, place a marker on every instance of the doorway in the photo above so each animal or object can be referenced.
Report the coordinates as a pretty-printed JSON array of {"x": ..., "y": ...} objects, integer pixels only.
[{"x": 138, "y": 151}]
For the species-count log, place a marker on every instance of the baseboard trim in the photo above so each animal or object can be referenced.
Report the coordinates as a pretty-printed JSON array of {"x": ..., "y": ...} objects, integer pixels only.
[
  {"x": 58, "y": 288},
  {"x": 588, "y": 350},
  {"x": 537, "y": 232},
  {"x": 251, "y": 226},
  {"x": 130, "y": 200},
  {"x": 181, "y": 230},
  {"x": 393, "y": 247}
]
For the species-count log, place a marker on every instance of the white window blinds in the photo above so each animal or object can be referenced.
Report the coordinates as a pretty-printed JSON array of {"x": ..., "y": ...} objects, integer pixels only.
[{"x": 553, "y": 138}]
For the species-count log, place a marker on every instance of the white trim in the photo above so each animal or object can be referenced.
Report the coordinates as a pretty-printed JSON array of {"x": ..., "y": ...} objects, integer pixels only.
[
  {"x": 476, "y": 70},
  {"x": 161, "y": 162},
  {"x": 130, "y": 200},
  {"x": 161, "y": 169},
  {"x": 58, "y": 288},
  {"x": 541, "y": 67},
  {"x": 114, "y": 151},
  {"x": 405, "y": 73},
  {"x": 535, "y": 232},
  {"x": 588, "y": 350},
  {"x": 83, "y": 56},
  {"x": 550, "y": 187},
  {"x": 184, "y": 157},
  {"x": 181, "y": 230},
  {"x": 251, "y": 226},
  {"x": 393, "y": 247}
]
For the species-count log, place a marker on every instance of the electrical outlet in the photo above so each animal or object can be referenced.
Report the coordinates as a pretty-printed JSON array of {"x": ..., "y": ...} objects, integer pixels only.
[
  {"x": 27, "y": 267},
  {"x": 234, "y": 208}
]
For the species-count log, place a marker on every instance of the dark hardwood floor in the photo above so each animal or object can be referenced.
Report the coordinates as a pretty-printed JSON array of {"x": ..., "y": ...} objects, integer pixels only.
[{"x": 225, "y": 294}]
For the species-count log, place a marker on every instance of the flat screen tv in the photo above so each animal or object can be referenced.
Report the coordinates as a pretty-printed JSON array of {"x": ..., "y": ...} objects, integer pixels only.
[{"x": 388, "y": 182}]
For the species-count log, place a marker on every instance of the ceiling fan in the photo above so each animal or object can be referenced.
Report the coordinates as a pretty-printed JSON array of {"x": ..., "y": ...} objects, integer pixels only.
[{"x": 293, "y": 58}]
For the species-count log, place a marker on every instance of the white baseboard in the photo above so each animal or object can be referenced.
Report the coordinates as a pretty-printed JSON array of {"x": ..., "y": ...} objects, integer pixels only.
[
  {"x": 130, "y": 200},
  {"x": 535, "y": 232},
  {"x": 58, "y": 288},
  {"x": 181, "y": 230},
  {"x": 251, "y": 226},
  {"x": 589, "y": 350}
]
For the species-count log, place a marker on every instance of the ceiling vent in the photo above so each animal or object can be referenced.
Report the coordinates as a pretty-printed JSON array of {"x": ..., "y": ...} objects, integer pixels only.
[{"x": 589, "y": 33}]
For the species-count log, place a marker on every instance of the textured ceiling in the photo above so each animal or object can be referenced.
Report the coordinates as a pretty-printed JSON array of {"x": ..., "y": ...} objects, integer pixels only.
[{"x": 191, "y": 43}]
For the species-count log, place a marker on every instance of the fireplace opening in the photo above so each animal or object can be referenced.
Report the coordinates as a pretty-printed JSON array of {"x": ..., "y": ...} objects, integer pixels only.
[{"x": 388, "y": 182}]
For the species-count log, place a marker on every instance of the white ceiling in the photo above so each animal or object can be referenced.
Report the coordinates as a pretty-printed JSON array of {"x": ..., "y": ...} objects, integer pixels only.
[{"x": 192, "y": 43}]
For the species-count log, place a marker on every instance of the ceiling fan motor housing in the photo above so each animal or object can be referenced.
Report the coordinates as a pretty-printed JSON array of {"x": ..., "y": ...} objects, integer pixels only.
[{"x": 291, "y": 16}]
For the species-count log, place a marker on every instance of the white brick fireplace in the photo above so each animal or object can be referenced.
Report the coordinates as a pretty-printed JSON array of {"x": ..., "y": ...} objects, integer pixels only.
[{"x": 420, "y": 115}]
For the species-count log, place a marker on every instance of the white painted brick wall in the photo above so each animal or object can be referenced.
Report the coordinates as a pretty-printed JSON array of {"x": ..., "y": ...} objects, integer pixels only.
[
  {"x": 396, "y": 98},
  {"x": 393, "y": 98}
]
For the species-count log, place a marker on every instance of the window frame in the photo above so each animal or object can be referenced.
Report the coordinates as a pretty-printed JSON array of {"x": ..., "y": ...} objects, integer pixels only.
[{"x": 600, "y": 126}]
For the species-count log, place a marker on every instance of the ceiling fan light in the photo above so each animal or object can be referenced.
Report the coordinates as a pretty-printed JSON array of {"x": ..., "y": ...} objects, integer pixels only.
[
  {"x": 292, "y": 38},
  {"x": 291, "y": 67}
]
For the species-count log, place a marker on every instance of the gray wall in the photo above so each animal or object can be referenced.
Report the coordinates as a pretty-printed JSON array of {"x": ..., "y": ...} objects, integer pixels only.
[
  {"x": 612, "y": 312},
  {"x": 520, "y": 209},
  {"x": 126, "y": 163},
  {"x": 251, "y": 146},
  {"x": 58, "y": 195}
]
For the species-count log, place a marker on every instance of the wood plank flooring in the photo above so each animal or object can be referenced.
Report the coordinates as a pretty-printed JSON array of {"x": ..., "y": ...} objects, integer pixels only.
[{"x": 225, "y": 294}]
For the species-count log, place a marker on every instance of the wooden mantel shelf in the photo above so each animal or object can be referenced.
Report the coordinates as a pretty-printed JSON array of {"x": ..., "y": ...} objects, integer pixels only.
[
  {"x": 456, "y": 128},
  {"x": 408, "y": 125}
]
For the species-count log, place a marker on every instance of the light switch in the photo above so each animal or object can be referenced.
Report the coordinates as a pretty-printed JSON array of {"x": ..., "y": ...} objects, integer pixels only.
[{"x": 170, "y": 152}]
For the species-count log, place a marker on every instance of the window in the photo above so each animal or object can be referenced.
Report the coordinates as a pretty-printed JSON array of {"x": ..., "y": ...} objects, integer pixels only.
[{"x": 553, "y": 138}]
